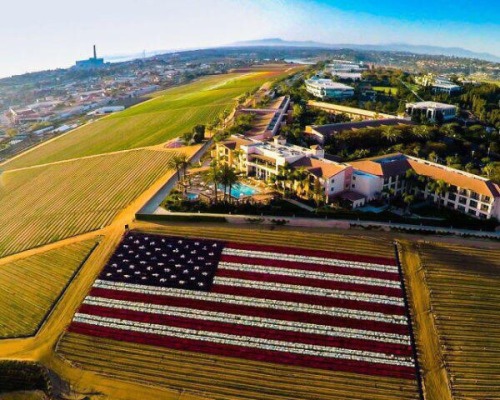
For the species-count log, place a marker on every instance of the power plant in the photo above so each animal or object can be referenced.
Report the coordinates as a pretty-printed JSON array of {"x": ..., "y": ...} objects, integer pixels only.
[{"x": 91, "y": 63}]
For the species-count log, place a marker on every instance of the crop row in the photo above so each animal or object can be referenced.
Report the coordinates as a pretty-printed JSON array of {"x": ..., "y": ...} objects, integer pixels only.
[
  {"x": 48, "y": 203},
  {"x": 225, "y": 378},
  {"x": 465, "y": 292},
  {"x": 30, "y": 286}
]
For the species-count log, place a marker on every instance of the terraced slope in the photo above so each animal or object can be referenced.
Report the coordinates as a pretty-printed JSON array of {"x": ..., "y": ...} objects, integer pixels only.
[
  {"x": 30, "y": 286},
  {"x": 465, "y": 295},
  {"x": 169, "y": 114},
  {"x": 48, "y": 203}
]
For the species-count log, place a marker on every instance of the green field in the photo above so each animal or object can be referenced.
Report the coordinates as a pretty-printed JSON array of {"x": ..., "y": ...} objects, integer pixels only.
[
  {"x": 51, "y": 202},
  {"x": 30, "y": 286},
  {"x": 167, "y": 115},
  {"x": 385, "y": 89}
]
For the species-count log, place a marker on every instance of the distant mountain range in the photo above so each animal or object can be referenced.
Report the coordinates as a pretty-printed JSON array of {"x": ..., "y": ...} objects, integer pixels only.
[{"x": 410, "y": 48}]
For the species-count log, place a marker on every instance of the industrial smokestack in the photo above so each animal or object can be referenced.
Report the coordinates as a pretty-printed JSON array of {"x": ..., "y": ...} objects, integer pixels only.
[{"x": 95, "y": 52}]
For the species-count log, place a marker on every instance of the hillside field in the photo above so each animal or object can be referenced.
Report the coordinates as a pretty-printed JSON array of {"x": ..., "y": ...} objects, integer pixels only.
[
  {"x": 167, "y": 115},
  {"x": 464, "y": 284},
  {"x": 30, "y": 286},
  {"x": 48, "y": 203}
]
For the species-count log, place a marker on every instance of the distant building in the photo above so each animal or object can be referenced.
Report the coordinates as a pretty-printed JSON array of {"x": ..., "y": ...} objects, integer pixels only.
[
  {"x": 107, "y": 110},
  {"x": 431, "y": 110},
  {"x": 322, "y": 132},
  {"x": 351, "y": 112},
  {"x": 346, "y": 70},
  {"x": 328, "y": 89},
  {"x": 91, "y": 63},
  {"x": 439, "y": 84}
]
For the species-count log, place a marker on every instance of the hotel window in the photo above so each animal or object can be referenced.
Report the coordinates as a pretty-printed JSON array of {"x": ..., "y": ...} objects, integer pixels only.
[
  {"x": 462, "y": 200},
  {"x": 484, "y": 207},
  {"x": 473, "y": 203},
  {"x": 472, "y": 212},
  {"x": 452, "y": 196},
  {"x": 487, "y": 199},
  {"x": 461, "y": 208}
]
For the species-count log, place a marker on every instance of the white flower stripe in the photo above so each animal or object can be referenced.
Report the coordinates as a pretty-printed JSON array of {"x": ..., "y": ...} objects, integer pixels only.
[
  {"x": 301, "y": 273},
  {"x": 309, "y": 260},
  {"x": 310, "y": 290},
  {"x": 248, "y": 320},
  {"x": 255, "y": 302},
  {"x": 246, "y": 341}
]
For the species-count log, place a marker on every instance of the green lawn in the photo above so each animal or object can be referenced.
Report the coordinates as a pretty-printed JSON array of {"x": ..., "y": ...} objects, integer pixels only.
[
  {"x": 384, "y": 89},
  {"x": 167, "y": 115}
]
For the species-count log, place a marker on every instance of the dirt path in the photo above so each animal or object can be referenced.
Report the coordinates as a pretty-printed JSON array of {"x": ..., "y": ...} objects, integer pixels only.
[{"x": 435, "y": 383}]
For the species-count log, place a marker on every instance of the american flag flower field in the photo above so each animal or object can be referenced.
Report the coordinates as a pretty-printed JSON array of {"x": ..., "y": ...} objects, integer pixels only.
[{"x": 273, "y": 304}]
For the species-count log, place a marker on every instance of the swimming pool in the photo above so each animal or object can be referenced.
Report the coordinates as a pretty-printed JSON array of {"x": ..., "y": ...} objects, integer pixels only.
[
  {"x": 240, "y": 190},
  {"x": 192, "y": 196}
]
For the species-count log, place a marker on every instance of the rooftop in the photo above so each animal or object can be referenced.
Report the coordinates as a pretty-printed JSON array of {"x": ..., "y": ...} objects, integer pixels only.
[
  {"x": 319, "y": 167},
  {"x": 429, "y": 104},
  {"x": 328, "y": 84},
  {"x": 397, "y": 164}
]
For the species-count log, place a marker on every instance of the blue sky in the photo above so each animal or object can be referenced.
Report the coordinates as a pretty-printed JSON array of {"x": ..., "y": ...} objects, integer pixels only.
[{"x": 53, "y": 33}]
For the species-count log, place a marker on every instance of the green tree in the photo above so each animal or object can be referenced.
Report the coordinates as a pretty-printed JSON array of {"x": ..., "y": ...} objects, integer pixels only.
[
  {"x": 213, "y": 175},
  {"x": 392, "y": 134},
  {"x": 228, "y": 178},
  {"x": 177, "y": 163},
  {"x": 198, "y": 133}
]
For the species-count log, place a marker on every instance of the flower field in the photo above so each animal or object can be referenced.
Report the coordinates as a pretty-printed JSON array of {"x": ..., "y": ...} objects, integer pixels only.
[
  {"x": 254, "y": 321},
  {"x": 464, "y": 285},
  {"x": 30, "y": 286},
  {"x": 49, "y": 203},
  {"x": 169, "y": 114}
]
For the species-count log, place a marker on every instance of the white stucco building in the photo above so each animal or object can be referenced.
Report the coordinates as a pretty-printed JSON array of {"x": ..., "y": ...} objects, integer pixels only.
[
  {"x": 328, "y": 89},
  {"x": 432, "y": 110}
]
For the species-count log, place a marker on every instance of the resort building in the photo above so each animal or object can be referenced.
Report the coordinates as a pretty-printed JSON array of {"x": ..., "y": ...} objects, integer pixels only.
[
  {"x": 328, "y": 89},
  {"x": 468, "y": 193},
  {"x": 346, "y": 70},
  {"x": 431, "y": 110},
  {"x": 320, "y": 133},
  {"x": 354, "y": 113},
  {"x": 267, "y": 160},
  {"x": 364, "y": 180},
  {"x": 439, "y": 84},
  {"x": 267, "y": 121}
]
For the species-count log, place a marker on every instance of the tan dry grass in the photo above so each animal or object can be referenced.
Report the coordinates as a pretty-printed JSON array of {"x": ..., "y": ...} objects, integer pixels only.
[{"x": 464, "y": 284}]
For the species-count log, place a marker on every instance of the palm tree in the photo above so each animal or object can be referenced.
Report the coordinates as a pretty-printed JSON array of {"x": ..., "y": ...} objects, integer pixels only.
[
  {"x": 228, "y": 178},
  {"x": 411, "y": 179},
  {"x": 408, "y": 199},
  {"x": 488, "y": 169},
  {"x": 214, "y": 176},
  {"x": 389, "y": 193},
  {"x": 392, "y": 134},
  {"x": 301, "y": 180},
  {"x": 318, "y": 193},
  {"x": 177, "y": 162},
  {"x": 422, "y": 131}
]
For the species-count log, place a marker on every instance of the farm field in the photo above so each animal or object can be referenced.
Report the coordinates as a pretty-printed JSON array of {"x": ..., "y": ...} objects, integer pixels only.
[
  {"x": 48, "y": 203},
  {"x": 167, "y": 115},
  {"x": 30, "y": 286},
  {"x": 223, "y": 377},
  {"x": 464, "y": 284}
]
